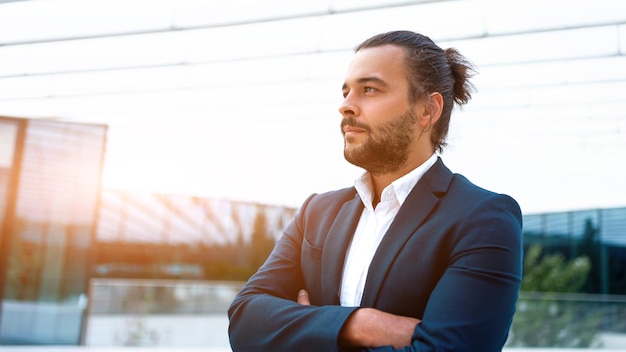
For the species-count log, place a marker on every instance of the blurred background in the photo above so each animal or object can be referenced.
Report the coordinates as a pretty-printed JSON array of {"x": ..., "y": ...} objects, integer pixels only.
[{"x": 151, "y": 151}]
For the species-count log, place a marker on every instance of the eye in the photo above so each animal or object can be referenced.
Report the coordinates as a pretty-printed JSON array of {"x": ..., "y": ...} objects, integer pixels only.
[{"x": 369, "y": 89}]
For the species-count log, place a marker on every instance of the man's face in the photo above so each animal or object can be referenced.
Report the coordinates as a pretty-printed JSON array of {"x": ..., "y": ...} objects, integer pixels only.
[{"x": 379, "y": 123}]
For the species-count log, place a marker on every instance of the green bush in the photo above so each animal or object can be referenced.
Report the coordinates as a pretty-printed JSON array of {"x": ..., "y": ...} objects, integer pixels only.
[{"x": 544, "y": 318}]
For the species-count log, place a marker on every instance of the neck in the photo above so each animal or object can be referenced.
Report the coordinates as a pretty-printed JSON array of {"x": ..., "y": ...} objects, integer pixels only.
[{"x": 380, "y": 181}]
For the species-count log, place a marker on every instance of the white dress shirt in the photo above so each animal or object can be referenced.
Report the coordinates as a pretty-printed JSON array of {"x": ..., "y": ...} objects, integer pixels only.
[{"x": 371, "y": 228}]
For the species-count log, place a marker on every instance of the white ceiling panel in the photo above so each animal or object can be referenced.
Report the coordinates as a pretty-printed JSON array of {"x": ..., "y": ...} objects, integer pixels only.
[
  {"x": 346, "y": 5},
  {"x": 622, "y": 39},
  {"x": 200, "y": 94},
  {"x": 93, "y": 54},
  {"x": 40, "y": 20},
  {"x": 541, "y": 46},
  {"x": 511, "y": 16},
  {"x": 552, "y": 73},
  {"x": 251, "y": 40},
  {"x": 462, "y": 19},
  {"x": 199, "y": 13},
  {"x": 14, "y": 59},
  {"x": 220, "y": 75}
]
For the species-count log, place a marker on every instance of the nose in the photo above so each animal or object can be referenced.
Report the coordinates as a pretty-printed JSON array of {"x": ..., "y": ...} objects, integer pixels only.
[{"x": 348, "y": 106}]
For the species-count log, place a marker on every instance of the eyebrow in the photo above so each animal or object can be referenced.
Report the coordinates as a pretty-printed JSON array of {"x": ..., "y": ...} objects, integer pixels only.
[{"x": 367, "y": 80}]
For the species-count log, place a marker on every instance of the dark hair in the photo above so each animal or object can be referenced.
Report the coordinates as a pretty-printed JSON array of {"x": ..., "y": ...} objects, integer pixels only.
[{"x": 431, "y": 69}]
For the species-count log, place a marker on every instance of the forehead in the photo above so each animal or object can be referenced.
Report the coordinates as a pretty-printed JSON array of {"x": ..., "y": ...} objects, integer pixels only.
[{"x": 382, "y": 62}]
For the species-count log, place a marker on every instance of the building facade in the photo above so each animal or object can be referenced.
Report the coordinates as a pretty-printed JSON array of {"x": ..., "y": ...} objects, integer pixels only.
[{"x": 60, "y": 229}]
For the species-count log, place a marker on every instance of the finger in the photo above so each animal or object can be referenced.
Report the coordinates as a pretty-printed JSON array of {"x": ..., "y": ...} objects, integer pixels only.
[{"x": 303, "y": 298}]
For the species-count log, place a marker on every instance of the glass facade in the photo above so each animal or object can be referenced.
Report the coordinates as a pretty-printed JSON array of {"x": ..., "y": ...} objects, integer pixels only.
[
  {"x": 599, "y": 234},
  {"x": 49, "y": 208}
]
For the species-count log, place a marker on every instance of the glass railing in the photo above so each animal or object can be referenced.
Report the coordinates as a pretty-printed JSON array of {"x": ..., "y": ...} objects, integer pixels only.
[
  {"x": 164, "y": 313},
  {"x": 556, "y": 320}
]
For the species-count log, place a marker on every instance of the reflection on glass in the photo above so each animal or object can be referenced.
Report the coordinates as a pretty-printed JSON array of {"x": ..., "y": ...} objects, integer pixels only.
[
  {"x": 49, "y": 232},
  {"x": 8, "y": 135},
  {"x": 598, "y": 234}
]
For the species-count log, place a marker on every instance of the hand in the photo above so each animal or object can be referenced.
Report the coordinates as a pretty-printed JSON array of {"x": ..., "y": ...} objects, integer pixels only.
[
  {"x": 369, "y": 327},
  {"x": 303, "y": 298}
]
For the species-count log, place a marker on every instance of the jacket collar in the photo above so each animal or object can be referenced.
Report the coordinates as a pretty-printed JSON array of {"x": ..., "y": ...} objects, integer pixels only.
[
  {"x": 420, "y": 203},
  {"x": 336, "y": 247}
]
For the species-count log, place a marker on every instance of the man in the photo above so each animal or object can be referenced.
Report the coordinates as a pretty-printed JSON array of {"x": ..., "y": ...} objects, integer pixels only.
[{"x": 413, "y": 257}]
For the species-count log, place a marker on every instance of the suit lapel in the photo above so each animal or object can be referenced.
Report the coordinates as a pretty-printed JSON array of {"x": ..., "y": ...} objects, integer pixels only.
[
  {"x": 336, "y": 246},
  {"x": 418, "y": 205}
]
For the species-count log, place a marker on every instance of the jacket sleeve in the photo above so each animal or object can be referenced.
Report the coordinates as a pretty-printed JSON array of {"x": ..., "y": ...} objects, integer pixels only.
[
  {"x": 472, "y": 306},
  {"x": 264, "y": 316}
]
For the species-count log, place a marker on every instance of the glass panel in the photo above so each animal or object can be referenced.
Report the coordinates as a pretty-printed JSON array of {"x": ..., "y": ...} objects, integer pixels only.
[
  {"x": 51, "y": 233},
  {"x": 567, "y": 321},
  {"x": 8, "y": 135},
  {"x": 161, "y": 313},
  {"x": 532, "y": 229},
  {"x": 613, "y": 224},
  {"x": 556, "y": 233},
  {"x": 613, "y": 239},
  {"x": 533, "y": 224},
  {"x": 583, "y": 223}
]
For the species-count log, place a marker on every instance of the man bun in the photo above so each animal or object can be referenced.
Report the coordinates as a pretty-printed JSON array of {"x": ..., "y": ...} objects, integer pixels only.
[{"x": 462, "y": 70}]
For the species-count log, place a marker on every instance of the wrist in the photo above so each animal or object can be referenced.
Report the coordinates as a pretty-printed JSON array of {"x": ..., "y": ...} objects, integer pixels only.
[{"x": 354, "y": 331}]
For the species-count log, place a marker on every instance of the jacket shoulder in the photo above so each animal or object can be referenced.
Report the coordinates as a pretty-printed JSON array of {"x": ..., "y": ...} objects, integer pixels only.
[
  {"x": 323, "y": 207},
  {"x": 330, "y": 201}
]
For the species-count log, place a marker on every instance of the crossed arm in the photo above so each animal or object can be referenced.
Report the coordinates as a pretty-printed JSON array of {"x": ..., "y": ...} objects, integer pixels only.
[{"x": 369, "y": 327}]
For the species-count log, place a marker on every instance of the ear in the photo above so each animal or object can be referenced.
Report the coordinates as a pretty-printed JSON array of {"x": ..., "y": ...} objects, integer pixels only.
[{"x": 431, "y": 110}]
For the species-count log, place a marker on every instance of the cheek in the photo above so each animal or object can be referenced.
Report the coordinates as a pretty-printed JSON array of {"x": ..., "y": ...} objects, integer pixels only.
[{"x": 384, "y": 111}]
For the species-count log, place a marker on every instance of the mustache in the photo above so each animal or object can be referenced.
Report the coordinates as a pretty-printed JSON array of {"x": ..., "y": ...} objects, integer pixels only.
[{"x": 352, "y": 122}]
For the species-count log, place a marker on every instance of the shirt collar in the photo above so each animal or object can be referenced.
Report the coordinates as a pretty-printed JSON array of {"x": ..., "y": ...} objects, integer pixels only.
[{"x": 400, "y": 187}]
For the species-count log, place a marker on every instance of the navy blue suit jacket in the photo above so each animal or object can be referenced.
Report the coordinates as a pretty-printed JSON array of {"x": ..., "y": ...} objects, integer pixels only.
[{"x": 452, "y": 257}]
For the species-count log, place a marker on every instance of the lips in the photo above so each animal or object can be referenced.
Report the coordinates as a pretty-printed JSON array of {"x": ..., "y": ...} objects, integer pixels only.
[
  {"x": 350, "y": 125},
  {"x": 351, "y": 129}
]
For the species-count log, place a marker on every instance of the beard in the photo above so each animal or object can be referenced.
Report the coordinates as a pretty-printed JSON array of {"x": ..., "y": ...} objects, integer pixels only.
[{"x": 386, "y": 148}]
